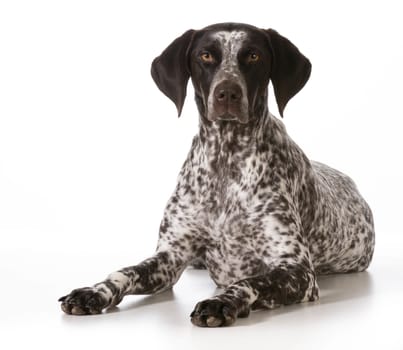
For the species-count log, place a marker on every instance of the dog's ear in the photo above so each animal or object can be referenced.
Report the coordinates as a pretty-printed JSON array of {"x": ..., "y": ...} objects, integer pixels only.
[
  {"x": 290, "y": 69},
  {"x": 170, "y": 70}
]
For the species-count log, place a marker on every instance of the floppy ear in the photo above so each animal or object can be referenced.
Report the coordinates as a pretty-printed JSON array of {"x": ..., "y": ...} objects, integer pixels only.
[
  {"x": 290, "y": 69},
  {"x": 170, "y": 70}
]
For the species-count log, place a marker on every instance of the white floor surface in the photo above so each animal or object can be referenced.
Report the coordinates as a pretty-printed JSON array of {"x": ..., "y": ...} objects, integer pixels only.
[{"x": 356, "y": 311}]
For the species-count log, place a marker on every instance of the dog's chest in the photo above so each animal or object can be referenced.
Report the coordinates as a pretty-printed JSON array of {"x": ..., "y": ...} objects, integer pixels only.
[
  {"x": 228, "y": 194},
  {"x": 227, "y": 202}
]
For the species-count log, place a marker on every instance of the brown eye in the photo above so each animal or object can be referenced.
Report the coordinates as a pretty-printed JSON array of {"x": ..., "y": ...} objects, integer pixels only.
[
  {"x": 253, "y": 57},
  {"x": 207, "y": 57}
]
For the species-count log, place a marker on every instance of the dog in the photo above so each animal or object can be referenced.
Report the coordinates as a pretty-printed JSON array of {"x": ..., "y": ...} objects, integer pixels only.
[{"x": 249, "y": 206}]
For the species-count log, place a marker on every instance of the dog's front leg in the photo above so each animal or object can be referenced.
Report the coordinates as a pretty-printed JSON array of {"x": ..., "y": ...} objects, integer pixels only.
[
  {"x": 179, "y": 244},
  {"x": 177, "y": 247},
  {"x": 281, "y": 285},
  {"x": 153, "y": 275}
]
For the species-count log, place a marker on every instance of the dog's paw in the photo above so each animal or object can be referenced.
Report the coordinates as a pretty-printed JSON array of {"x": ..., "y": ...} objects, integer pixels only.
[
  {"x": 214, "y": 313},
  {"x": 84, "y": 301}
]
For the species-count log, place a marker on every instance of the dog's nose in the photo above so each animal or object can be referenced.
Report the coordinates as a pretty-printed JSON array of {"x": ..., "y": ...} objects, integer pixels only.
[{"x": 227, "y": 92}]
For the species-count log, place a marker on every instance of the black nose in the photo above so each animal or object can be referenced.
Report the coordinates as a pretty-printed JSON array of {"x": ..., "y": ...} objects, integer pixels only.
[{"x": 227, "y": 92}]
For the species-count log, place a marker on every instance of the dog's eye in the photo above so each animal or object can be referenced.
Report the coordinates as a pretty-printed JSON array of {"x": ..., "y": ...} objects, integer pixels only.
[
  {"x": 207, "y": 57},
  {"x": 252, "y": 57}
]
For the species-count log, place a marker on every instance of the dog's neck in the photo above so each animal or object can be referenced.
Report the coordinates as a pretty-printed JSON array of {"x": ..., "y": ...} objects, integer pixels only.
[
  {"x": 226, "y": 144},
  {"x": 233, "y": 134}
]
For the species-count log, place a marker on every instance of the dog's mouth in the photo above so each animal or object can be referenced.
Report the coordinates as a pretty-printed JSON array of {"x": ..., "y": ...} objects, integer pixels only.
[{"x": 228, "y": 117}]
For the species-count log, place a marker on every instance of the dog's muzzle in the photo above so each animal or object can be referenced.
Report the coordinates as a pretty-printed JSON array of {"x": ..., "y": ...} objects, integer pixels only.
[{"x": 228, "y": 102}]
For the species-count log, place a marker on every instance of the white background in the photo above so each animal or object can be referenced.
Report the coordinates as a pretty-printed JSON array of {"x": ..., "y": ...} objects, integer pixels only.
[{"x": 90, "y": 151}]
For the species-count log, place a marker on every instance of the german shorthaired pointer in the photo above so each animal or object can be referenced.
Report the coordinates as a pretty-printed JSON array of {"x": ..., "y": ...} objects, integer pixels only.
[{"x": 249, "y": 205}]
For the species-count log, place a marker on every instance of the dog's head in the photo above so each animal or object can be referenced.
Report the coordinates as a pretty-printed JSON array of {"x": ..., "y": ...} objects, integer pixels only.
[{"x": 230, "y": 66}]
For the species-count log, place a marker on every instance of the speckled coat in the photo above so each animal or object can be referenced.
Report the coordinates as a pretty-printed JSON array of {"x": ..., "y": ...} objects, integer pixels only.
[{"x": 249, "y": 206}]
